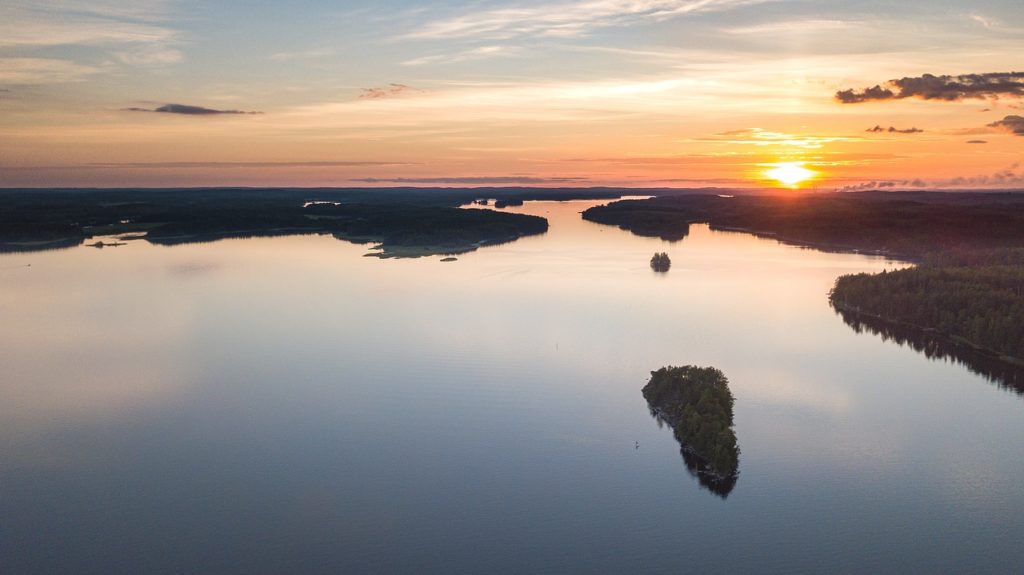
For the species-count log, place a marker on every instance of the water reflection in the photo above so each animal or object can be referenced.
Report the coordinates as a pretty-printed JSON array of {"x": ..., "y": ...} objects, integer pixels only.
[
  {"x": 697, "y": 467},
  {"x": 286, "y": 404},
  {"x": 937, "y": 347}
]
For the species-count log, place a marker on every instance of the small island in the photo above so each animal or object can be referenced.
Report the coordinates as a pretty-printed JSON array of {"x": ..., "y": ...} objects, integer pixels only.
[
  {"x": 660, "y": 262},
  {"x": 697, "y": 403}
]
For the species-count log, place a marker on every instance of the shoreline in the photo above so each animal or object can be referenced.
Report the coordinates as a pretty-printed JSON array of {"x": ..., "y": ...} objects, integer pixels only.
[{"x": 955, "y": 340}]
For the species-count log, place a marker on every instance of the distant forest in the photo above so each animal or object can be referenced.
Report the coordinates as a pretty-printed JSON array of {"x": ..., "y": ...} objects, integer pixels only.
[
  {"x": 908, "y": 225},
  {"x": 969, "y": 247},
  {"x": 403, "y": 221}
]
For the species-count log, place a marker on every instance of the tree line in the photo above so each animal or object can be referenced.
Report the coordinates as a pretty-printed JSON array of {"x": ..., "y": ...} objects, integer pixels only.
[{"x": 697, "y": 403}]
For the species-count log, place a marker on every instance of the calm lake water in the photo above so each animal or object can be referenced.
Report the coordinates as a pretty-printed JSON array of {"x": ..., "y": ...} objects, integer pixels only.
[{"x": 285, "y": 405}]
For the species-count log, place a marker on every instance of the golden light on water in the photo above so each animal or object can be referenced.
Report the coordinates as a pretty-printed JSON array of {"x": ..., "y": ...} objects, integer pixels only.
[{"x": 790, "y": 174}]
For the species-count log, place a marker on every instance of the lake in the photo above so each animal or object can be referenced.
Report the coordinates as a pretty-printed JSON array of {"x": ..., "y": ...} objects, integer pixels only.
[{"x": 285, "y": 404}]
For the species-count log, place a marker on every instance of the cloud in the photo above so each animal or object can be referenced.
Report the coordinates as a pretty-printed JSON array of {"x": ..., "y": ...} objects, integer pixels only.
[
  {"x": 389, "y": 91},
  {"x": 1012, "y": 124},
  {"x": 799, "y": 26},
  {"x": 302, "y": 55},
  {"x": 236, "y": 165},
  {"x": 567, "y": 19},
  {"x": 946, "y": 88},
  {"x": 85, "y": 22},
  {"x": 475, "y": 54},
  {"x": 150, "y": 56},
  {"x": 42, "y": 71},
  {"x": 876, "y": 93},
  {"x": 695, "y": 159},
  {"x": 985, "y": 21},
  {"x": 894, "y": 130},
  {"x": 759, "y": 137},
  {"x": 977, "y": 142},
  {"x": 99, "y": 167},
  {"x": 1002, "y": 179},
  {"x": 187, "y": 110},
  {"x": 474, "y": 180}
]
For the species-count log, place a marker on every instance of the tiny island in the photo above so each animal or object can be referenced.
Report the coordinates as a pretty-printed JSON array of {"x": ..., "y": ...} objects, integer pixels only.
[
  {"x": 697, "y": 404},
  {"x": 660, "y": 262}
]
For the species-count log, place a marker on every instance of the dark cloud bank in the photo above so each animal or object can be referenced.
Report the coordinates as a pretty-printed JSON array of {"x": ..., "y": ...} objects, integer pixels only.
[
  {"x": 1014, "y": 124},
  {"x": 187, "y": 110},
  {"x": 894, "y": 130},
  {"x": 947, "y": 88}
]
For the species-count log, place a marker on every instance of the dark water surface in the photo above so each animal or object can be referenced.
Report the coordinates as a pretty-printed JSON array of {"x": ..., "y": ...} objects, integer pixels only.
[{"x": 285, "y": 405}]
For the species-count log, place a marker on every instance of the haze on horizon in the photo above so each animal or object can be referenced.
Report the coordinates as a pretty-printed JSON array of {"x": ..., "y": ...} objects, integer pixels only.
[{"x": 676, "y": 93}]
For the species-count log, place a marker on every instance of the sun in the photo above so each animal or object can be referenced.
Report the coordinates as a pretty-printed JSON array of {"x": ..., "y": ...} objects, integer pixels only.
[{"x": 791, "y": 174}]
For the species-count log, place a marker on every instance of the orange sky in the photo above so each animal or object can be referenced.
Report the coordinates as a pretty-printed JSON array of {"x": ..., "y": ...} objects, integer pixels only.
[{"x": 675, "y": 93}]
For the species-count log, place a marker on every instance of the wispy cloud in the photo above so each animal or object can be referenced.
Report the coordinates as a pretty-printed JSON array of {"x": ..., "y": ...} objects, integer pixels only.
[
  {"x": 310, "y": 54},
  {"x": 42, "y": 71},
  {"x": 187, "y": 110},
  {"x": 239, "y": 165},
  {"x": 566, "y": 19},
  {"x": 947, "y": 88},
  {"x": 389, "y": 91},
  {"x": 759, "y": 137},
  {"x": 986, "y": 22},
  {"x": 87, "y": 22},
  {"x": 691, "y": 159},
  {"x": 150, "y": 56},
  {"x": 800, "y": 26},
  {"x": 977, "y": 142},
  {"x": 479, "y": 53},
  {"x": 474, "y": 180}
]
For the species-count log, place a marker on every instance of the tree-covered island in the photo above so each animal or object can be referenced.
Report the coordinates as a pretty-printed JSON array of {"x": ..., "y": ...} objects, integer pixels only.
[
  {"x": 697, "y": 404},
  {"x": 402, "y": 223},
  {"x": 660, "y": 262}
]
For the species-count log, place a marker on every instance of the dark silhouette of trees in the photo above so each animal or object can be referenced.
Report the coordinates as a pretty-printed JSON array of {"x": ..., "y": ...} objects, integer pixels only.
[
  {"x": 974, "y": 298},
  {"x": 697, "y": 403},
  {"x": 906, "y": 224},
  {"x": 660, "y": 262},
  {"x": 396, "y": 219}
]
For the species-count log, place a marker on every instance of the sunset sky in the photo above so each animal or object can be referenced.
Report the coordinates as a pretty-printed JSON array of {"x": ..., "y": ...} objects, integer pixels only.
[{"x": 679, "y": 93}]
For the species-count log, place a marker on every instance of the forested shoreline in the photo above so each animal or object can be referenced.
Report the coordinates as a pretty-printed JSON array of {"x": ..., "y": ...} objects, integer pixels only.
[
  {"x": 978, "y": 300},
  {"x": 968, "y": 284}
]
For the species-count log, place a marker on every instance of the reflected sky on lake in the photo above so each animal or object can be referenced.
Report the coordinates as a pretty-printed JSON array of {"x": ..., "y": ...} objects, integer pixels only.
[{"x": 286, "y": 404}]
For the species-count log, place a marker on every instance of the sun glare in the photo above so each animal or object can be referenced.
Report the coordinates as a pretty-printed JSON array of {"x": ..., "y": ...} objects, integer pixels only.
[{"x": 790, "y": 174}]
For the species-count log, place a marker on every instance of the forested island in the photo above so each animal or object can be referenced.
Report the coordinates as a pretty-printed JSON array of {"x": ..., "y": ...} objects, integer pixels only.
[
  {"x": 697, "y": 403},
  {"x": 965, "y": 296},
  {"x": 404, "y": 223},
  {"x": 660, "y": 262}
]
